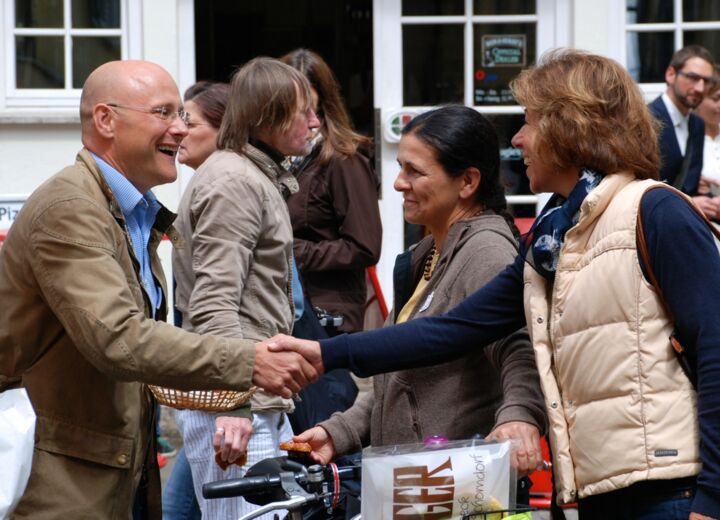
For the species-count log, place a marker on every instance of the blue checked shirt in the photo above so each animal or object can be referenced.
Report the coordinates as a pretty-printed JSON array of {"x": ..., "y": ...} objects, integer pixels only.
[{"x": 139, "y": 211}]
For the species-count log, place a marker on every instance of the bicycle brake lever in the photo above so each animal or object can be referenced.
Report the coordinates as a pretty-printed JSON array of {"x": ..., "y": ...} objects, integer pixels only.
[
  {"x": 289, "y": 504},
  {"x": 291, "y": 486}
]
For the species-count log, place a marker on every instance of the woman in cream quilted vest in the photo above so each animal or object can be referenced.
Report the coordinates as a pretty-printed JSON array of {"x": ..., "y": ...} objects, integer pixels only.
[{"x": 630, "y": 436}]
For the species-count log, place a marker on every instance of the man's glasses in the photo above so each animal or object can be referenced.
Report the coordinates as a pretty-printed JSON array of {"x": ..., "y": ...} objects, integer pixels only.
[
  {"x": 694, "y": 78},
  {"x": 163, "y": 113}
]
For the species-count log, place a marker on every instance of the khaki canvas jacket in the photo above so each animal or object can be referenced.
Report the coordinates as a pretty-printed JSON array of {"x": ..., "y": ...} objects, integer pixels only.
[
  {"x": 75, "y": 332},
  {"x": 461, "y": 398},
  {"x": 233, "y": 266}
]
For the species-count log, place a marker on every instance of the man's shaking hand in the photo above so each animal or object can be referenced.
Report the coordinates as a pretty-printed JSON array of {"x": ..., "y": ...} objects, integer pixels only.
[
  {"x": 282, "y": 371},
  {"x": 310, "y": 350}
]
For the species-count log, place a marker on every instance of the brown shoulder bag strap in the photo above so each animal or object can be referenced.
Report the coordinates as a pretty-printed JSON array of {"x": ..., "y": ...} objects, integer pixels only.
[{"x": 645, "y": 262}]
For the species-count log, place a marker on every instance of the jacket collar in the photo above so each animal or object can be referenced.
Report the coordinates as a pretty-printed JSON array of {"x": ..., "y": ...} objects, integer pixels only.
[
  {"x": 457, "y": 232},
  {"x": 283, "y": 180},
  {"x": 85, "y": 159},
  {"x": 409, "y": 266},
  {"x": 412, "y": 268},
  {"x": 164, "y": 217},
  {"x": 598, "y": 200}
]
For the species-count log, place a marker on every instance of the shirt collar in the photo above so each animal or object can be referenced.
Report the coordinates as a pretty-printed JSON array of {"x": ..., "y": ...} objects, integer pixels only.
[
  {"x": 714, "y": 140},
  {"x": 676, "y": 116},
  {"x": 268, "y": 150},
  {"x": 125, "y": 192}
]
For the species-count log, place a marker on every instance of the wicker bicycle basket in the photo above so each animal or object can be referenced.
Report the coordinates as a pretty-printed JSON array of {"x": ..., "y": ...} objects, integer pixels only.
[{"x": 205, "y": 400}]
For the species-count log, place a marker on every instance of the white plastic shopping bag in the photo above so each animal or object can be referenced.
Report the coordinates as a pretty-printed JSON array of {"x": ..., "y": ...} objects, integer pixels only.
[
  {"x": 448, "y": 481},
  {"x": 17, "y": 438}
]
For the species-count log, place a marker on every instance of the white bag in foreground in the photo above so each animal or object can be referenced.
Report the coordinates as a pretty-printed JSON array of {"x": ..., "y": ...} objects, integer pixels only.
[
  {"x": 17, "y": 438},
  {"x": 415, "y": 481}
]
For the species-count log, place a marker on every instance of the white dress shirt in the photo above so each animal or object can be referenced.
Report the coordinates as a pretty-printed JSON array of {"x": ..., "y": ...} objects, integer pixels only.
[
  {"x": 680, "y": 122},
  {"x": 711, "y": 157}
]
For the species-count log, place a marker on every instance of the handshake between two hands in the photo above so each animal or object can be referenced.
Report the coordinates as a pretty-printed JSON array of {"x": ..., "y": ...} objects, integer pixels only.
[{"x": 284, "y": 365}]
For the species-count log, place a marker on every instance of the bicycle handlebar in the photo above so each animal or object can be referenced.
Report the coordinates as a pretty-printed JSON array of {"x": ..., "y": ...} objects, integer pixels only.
[
  {"x": 241, "y": 486},
  {"x": 279, "y": 483}
]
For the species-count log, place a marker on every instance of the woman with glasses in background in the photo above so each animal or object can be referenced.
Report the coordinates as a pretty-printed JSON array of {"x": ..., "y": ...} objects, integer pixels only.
[{"x": 205, "y": 104}]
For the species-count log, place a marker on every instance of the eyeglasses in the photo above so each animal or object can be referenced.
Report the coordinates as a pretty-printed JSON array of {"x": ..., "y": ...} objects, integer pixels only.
[
  {"x": 163, "y": 113},
  {"x": 697, "y": 78}
]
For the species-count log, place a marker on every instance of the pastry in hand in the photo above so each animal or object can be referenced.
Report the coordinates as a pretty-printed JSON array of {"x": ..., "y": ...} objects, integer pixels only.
[
  {"x": 224, "y": 465},
  {"x": 299, "y": 451}
]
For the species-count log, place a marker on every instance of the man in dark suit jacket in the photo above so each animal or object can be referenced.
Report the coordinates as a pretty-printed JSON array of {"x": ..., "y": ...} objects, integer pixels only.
[{"x": 688, "y": 77}]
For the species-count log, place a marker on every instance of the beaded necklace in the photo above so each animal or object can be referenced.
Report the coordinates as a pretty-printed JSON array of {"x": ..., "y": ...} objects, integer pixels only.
[{"x": 428, "y": 269}]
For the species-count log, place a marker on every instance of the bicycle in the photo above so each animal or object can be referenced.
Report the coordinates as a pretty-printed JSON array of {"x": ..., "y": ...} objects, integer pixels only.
[{"x": 306, "y": 492}]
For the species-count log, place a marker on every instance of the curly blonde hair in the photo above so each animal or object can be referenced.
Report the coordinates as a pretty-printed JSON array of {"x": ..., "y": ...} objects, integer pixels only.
[{"x": 591, "y": 114}]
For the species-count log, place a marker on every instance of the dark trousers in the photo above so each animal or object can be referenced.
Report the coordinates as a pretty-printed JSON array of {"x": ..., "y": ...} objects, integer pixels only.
[
  {"x": 334, "y": 392},
  {"x": 647, "y": 500}
]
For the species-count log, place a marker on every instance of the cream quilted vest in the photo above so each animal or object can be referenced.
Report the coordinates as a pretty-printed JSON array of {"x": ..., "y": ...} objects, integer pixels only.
[{"x": 620, "y": 408}]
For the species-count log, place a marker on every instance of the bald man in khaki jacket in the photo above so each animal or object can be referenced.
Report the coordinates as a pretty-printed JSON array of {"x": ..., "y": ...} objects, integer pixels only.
[{"x": 82, "y": 328}]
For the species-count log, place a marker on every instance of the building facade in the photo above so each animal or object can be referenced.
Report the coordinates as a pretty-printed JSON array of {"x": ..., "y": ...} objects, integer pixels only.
[{"x": 393, "y": 59}]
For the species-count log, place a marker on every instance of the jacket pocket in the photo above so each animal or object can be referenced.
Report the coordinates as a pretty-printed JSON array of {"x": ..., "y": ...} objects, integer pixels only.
[
  {"x": 408, "y": 400},
  {"x": 63, "y": 438}
]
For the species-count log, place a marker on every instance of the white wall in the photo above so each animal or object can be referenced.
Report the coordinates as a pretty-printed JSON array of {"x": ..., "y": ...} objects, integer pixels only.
[
  {"x": 591, "y": 25},
  {"x": 169, "y": 40},
  {"x": 388, "y": 96},
  {"x": 33, "y": 152}
]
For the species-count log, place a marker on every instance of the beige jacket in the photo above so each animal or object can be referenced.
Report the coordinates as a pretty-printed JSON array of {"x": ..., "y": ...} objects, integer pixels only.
[
  {"x": 620, "y": 408},
  {"x": 75, "y": 332},
  {"x": 233, "y": 270}
]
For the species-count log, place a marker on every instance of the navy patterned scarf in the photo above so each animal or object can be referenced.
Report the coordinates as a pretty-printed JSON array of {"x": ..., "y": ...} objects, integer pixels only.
[{"x": 542, "y": 244}]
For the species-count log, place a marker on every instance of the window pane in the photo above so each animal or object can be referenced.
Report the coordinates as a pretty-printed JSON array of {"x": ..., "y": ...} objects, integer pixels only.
[
  {"x": 38, "y": 13},
  {"x": 505, "y": 6},
  {"x": 512, "y": 167},
  {"x": 39, "y": 62},
  {"x": 648, "y": 55},
  {"x": 501, "y": 52},
  {"x": 649, "y": 11},
  {"x": 89, "y": 53},
  {"x": 432, "y": 64},
  {"x": 708, "y": 39},
  {"x": 96, "y": 14},
  {"x": 432, "y": 7},
  {"x": 701, "y": 10}
]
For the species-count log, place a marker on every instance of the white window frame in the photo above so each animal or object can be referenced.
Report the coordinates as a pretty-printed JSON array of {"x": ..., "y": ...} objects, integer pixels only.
[
  {"x": 553, "y": 19},
  {"x": 549, "y": 34},
  {"x": 553, "y": 32},
  {"x": 620, "y": 29},
  {"x": 26, "y": 101}
]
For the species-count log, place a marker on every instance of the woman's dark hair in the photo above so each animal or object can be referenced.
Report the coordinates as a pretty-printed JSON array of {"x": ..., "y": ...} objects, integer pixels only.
[
  {"x": 336, "y": 126},
  {"x": 211, "y": 98},
  {"x": 463, "y": 138}
]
